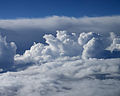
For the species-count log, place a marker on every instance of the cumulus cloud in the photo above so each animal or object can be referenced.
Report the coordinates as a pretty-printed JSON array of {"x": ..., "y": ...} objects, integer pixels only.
[
  {"x": 115, "y": 42},
  {"x": 7, "y": 52},
  {"x": 36, "y": 28},
  {"x": 61, "y": 45},
  {"x": 67, "y": 63},
  {"x": 87, "y": 45},
  {"x": 91, "y": 49}
]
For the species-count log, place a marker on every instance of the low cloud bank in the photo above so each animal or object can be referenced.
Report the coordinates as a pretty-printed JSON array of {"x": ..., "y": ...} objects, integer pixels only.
[
  {"x": 69, "y": 64},
  {"x": 67, "y": 76},
  {"x": 7, "y": 52}
]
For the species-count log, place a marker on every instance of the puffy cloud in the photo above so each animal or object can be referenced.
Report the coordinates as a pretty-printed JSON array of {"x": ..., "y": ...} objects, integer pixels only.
[
  {"x": 67, "y": 65},
  {"x": 87, "y": 45},
  {"x": 66, "y": 76},
  {"x": 62, "y": 45},
  {"x": 7, "y": 52},
  {"x": 93, "y": 49},
  {"x": 115, "y": 42},
  {"x": 85, "y": 37},
  {"x": 36, "y": 28}
]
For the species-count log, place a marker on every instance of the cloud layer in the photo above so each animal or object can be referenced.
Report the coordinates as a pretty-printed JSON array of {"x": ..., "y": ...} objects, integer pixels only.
[
  {"x": 64, "y": 77},
  {"x": 36, "y": 28},
  {"x": 71, "y": 24},
  {"x": 86, "y": 45},
  {"x": 66, "y": 63}
]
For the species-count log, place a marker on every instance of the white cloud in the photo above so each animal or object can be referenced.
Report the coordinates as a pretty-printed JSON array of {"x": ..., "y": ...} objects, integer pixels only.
[
  {"x": 71, "y": 24},
  {"x": 115, "y": 42},
  {"x": 64, "y": 77},
  {"x": 58, "y": 70},
  {"x": 93, "y": 49},
  {"x": 70, "y": 64},
  {"x": 7, "y": 52},
  {"x": 20, "y": 28},
  {"x": 87, "y": 45}
]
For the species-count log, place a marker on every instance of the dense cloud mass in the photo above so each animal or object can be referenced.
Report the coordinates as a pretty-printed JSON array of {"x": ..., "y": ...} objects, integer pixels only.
[
  {"x": 84, "y": 60},
  {"x": 36, "y": 28},
  {"x": 64, "y": 77},
  {"x": 68, "y": 64},
  {"x": 86, "y": 45}
]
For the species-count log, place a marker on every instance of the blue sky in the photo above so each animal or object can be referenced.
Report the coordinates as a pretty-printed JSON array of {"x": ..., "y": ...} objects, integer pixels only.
[{"x": 42, "y": 8}]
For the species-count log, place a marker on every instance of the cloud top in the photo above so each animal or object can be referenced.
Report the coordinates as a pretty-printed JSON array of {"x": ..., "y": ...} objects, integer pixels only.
[
  {"x": 68, "y": 64},
  {"x": 86, "y": 45},
  {"x": 7, "y": 52},
  {"x": 15, "y": 29}
]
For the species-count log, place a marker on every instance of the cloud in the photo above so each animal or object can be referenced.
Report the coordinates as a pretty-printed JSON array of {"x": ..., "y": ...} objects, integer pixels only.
[
  {"x": 66, "y": 63},
  {"x": 7, "y": 52},
  {"x": 20, "y": 28},
  {"x": 87, "y": 45},
  {"x": 61, "y": 45},
  {"x": 97, "y": 24},
  {"x": 115, "y": 42},
  {"x": 91, "y": 49},
  {"x": 66, "y": 76}
]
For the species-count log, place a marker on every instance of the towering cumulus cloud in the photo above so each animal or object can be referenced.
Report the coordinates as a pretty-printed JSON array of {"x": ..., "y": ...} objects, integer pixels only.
[
  {"x": 115, "y": 42},
  {"x": 15, "y": 29},
  {"x": 7, "y": 52},
  {"x": 86, "y": 45},
  {"x": 67, "y": 64}
]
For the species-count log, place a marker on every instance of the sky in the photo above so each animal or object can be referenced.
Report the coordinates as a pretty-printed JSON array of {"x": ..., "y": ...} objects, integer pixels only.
[
  {"x": 59, "y": 47},
  {"x": 12, "y": 9},
  {"x": 19, "y": 18}
]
